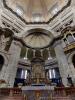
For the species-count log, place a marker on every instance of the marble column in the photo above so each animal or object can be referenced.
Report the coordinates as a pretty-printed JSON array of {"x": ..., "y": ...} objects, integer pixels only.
[
  {"x": 62, "y": 62},
  {"x": 10, "y": 71}
]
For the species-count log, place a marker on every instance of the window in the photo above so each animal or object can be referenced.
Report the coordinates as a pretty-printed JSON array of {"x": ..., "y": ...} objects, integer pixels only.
[
  {"x": 54, "y": 9},
  {"x": 21, "y": 73},
  {"x": 54, "y": 73},
  {"x": 70, "y": 38},
  {"x": 19, "y": 10},
  {"x": 24, "y": 74}
]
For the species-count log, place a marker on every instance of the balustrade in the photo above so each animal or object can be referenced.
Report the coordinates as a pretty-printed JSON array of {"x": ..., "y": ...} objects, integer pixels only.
[{"x": 59, "y": 93}]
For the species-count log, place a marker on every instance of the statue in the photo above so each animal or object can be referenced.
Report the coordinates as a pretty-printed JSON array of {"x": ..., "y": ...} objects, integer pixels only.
[{"x": 3, "y": 41}]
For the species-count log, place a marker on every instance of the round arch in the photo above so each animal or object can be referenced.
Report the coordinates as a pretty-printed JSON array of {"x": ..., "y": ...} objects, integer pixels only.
[
  {"x": 37, "y": 38},
  {"x": 71, "y": 66},
  {"x": 1, "y": 62},
  {"x": 5, "y": 58},
  {"x": 73, "y": 60},
  {"x": 70, "y": 57}
]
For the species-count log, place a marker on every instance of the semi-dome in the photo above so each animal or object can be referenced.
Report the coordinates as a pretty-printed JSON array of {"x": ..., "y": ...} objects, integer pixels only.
[{"x": 38, "y": 38}]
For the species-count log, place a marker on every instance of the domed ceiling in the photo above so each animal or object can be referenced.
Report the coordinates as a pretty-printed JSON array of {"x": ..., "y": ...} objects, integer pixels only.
[{"x": 36, "y": 10}]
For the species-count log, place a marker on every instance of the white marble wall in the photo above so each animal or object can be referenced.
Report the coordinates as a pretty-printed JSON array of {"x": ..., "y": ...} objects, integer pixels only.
[
  {"x": 62, "y": 62},
  {"x": 71, "y": 66},
  {"x": 10, "y": 71}
]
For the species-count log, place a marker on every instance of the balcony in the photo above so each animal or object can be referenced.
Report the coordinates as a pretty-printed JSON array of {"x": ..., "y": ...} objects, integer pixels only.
[{"x": 69, "y": 47}]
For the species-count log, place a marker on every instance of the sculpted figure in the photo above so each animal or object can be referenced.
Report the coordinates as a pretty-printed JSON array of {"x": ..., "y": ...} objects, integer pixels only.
[{"x": 3, "y": 41}]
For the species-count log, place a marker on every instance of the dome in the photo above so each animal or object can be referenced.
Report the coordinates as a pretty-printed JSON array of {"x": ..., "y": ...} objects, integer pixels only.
[{"x": 36, "y": 10}]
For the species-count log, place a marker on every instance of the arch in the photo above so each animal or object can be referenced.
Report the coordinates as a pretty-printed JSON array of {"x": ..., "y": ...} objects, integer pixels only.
[
  {"x": 69, "y": 37},
  {"x": 73, "y": 60},
  {"x": 69, "y": 34},
  {"x": 1, "y": 62},
  {"x": 71, "y": 66},
  {"x": 70, "y": 57},
  {"x": 42, "y": 30},
  {"x": 5, "y": 59},
  {"x": 32, "y": 36},
  {"x": 74, "y": 34}
]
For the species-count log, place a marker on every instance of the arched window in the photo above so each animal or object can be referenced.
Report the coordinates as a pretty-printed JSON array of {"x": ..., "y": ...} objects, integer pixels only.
[{"x": 1, "y": 62}]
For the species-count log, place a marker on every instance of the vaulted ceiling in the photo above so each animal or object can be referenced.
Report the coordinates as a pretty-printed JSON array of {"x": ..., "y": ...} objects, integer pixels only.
[{"x": 36, "y": 10}]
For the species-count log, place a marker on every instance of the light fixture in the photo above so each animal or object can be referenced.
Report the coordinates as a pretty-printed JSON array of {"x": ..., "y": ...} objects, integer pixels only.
[
  {"x": 49, "y": 58},
  {"x": 22, "y": 73},
  {"x": 55, "y": 10},
  {"x": 19, "y": 10},
  {"x": 25, "y": 58},
  {"x": 37, "y": 19},
  {"x": 50, "y": 74},
  {"x": 25, "y": 74}
]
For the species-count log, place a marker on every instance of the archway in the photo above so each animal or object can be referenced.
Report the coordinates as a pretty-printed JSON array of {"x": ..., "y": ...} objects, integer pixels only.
[
  {"x": 1, "y": 62},
  {"x": 73, "y": 60}
]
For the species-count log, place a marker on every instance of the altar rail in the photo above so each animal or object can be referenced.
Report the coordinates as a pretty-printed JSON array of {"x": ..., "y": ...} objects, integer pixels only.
[
  {"x": 64, "y": 91},
  {"x": 10, "y": 91},
  {"x": 59, "y": 93}
]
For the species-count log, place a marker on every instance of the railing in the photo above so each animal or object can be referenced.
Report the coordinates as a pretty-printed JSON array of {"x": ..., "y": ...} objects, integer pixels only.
[
  {"x": 59, "y": 93},
  {"x": 69, "y": 46},
  {"x": 68, "y": 91},
  {"x": 10, "y": 91}
]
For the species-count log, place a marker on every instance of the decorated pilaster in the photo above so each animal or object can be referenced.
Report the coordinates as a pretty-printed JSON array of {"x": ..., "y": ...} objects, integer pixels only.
[
  {"x": 10, "y": 74},
  {"x": 62, "y": 62}
]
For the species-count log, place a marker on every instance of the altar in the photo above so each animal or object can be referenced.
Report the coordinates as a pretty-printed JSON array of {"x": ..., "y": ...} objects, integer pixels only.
[{"x": 37, "y": 92}]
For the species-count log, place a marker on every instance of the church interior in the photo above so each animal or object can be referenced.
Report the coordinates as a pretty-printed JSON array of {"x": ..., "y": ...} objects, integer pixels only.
[{"x": 37, "y": 49}]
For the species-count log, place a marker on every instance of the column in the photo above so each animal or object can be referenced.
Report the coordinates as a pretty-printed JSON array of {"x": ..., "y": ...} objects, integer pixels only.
[
  {"x": 34, "y": 53},
  {"x": 62, "y": 62},
  {"x": 26, "y": 54},
  {"x": 41, "y": 53},
  {"x": 63, "y": 43},
  {"x": 49, "y": 57},
  {"x": 10, "y": 72}
]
